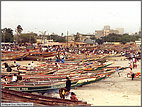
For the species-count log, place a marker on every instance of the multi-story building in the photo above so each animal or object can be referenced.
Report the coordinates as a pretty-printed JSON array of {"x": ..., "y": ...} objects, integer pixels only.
[
  {"x": 120, "y": 30},
  {"x": 106, "y": 31},
  {"x": 99, "y": 33},
  {"x": 106, "y": 27},
  {"x": 79, "y": 37},
  {"x": 114, "y": 31}
]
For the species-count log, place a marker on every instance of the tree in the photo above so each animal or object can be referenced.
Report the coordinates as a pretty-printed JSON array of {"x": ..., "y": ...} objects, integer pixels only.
[
  {"x": 27, "y": 37},
  {"x": 7, "y": 35},
  {"x": 99, "y": 41},
  {"x": 93, "y": 37},
  {"x": 119, "y": 38},
  {"x": 60, "y": 39},
  {"x": 54, "y": 37},
  {"x": 19, "y": 29}
]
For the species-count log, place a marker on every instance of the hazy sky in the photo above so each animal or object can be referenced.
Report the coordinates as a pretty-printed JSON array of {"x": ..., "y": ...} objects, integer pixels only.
[{"x": 74, "y": 16}]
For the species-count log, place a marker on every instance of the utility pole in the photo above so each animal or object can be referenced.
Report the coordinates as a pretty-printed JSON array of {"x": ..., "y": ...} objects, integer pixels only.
[
  {"x": 67, "y": 39},
  {"x": 4, "y": 32}
]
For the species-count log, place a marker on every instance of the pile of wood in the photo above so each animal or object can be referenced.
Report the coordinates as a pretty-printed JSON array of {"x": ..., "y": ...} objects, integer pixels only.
[{"x": 12, "y": 96}]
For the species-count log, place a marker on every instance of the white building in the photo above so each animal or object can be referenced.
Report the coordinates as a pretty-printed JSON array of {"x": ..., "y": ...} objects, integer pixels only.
[{"x": 120, "y": 30}]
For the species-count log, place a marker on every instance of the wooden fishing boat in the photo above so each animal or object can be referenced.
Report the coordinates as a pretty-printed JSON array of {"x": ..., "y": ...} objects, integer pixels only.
[
  {"x": 38, "y": 87},
  {"x": 97, "y": 67},
  {"x": 89, "y": 80},
  {"x": 12, "y": 96},
  {"x": 138, "y": 57},
  {"x": 39, "y": 55},
  {"x": 14, "y": 56},
  {"x": 44, "y": 69}
]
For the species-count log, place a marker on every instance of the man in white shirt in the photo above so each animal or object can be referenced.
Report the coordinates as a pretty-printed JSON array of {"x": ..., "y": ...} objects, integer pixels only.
[{"x": 14, "y": 78}]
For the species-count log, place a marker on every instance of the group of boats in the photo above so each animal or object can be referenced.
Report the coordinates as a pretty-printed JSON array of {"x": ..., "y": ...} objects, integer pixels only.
[
  {"x": 13, "y": 55},
  {"x": 46, "y": 76}
]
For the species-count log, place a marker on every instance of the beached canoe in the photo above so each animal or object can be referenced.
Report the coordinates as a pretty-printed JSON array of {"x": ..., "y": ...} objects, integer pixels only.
[
  {"x": 14, "y": 56},
  {"x": 97, "y": 67},
  {"x": 36, "y": 87},
  {"x": 39, "y": 55}
]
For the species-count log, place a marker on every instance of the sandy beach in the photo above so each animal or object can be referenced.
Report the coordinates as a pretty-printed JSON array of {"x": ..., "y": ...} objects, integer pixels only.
[
  {"x": 111, "y": 91},
  {"x": 114, "y": 90}
]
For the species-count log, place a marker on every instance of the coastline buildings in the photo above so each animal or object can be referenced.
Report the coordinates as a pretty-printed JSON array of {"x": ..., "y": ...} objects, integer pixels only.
[
  {"x": 79, "y": 37},
  {"x": 120, "y": 30},
  {"x": 106, "y": 31},
  {"x": 81, "y": 40}
]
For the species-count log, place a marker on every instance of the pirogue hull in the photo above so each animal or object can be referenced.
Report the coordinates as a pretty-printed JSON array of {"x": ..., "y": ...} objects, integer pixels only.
[
  {"x": 13, "y": 56},
  {"x": 45, "y": 88},
  {"x": 39, "y": 55}
]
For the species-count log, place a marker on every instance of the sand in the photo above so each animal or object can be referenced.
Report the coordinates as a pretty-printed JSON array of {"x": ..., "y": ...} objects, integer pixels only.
[{"x": 112, "y": 91}]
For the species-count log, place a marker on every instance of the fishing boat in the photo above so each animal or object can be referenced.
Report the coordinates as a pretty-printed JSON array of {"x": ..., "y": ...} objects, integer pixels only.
[
  {"x": 48, "y": 85},
  {"x": 89, "y": 80},
  {"x": 35, "y": 86},
  {"x": 14, "y": 56},
  {"x": 38, "y": 100},
  {"x": 39, "y": 55},
  {"x": 97, "y": 67}
]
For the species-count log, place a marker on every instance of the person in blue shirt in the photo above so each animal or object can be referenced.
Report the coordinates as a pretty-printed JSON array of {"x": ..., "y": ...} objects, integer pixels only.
[
  {"x": 17, "y": 65},
  {"x": 118, "y": 71},
  {"x": 57, "y": 60}
]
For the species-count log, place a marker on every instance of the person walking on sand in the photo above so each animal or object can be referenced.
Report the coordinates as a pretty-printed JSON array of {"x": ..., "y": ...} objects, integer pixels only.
[
  {"x": 17, "y": 65},
  {"x": 118, "y": 71}
]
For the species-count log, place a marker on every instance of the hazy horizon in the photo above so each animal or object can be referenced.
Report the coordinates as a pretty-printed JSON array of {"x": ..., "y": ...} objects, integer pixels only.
[{"x": 73, "y": 16}]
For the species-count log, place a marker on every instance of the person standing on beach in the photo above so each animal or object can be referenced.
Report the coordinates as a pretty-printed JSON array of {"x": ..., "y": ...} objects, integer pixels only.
[
  {"x": 68, "y": 84},
  {"x": 118, "y": 71},
  {"x": 14, "y": 78},
  {"x": 133, "y": 75},
  {"x": 135, "y": 62},
  {"x": 29, "y": 67},
  {"x": 5, "y": 64},
  {"x": 58, "y": 59},
  {"x": 17, "y": 65}
]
